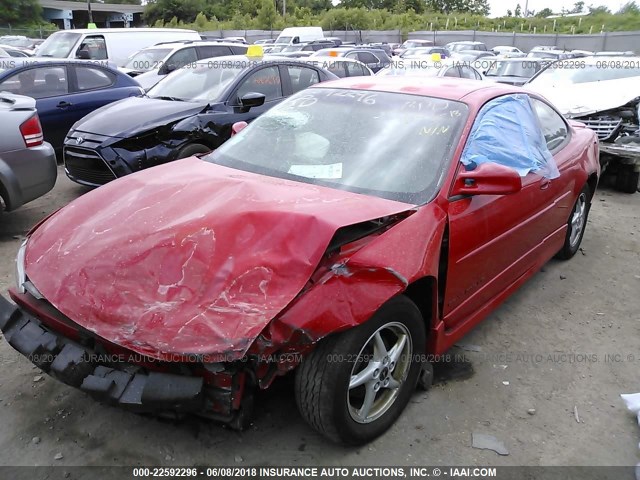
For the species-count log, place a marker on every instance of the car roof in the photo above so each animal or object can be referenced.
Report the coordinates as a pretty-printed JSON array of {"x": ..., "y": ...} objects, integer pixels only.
[
  {"x": 35, "y": 61},
  {"x": 522, "y": 59},
  {"x": 251, "y": 61},
  {"x": 125, "y": 30},
  {"x": 447, "y": 88},
  {"x": 189, "y": 43},
  {"x": 328, "y": 58}
]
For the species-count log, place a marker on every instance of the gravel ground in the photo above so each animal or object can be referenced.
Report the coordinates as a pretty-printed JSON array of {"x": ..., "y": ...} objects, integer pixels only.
[{"x": 533, "y": 369}]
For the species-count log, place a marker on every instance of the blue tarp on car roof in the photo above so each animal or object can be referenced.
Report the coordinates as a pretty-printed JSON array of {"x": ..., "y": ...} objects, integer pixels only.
[{"x": 507, "y": 131}]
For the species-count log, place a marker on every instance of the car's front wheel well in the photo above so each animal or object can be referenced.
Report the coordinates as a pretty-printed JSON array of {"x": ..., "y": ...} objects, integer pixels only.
[
  {"x": 592, "y": 181},
  {"x": 422, "y": 292}
]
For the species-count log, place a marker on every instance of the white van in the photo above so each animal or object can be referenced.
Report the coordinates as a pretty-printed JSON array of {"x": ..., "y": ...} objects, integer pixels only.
[
  {"x": 293, "y": 35},
  {"x": 113, "y": 44}
]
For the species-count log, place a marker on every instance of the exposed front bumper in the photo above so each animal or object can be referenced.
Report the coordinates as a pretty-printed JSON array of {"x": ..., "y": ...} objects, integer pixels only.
[{"x": 113, "y": 379}]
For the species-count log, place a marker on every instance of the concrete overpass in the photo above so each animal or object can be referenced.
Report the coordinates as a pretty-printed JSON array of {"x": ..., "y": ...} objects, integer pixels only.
[{"x": 74, "y": 14}]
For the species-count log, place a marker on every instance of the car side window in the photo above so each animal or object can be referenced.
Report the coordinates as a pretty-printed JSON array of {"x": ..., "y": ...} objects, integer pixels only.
[
  {"x": 356, "y": 70},
  {"x": 466, "y": 72},
  {"x": 183, "y": 57},
  {"x": 553, "y": 125},
  {"x": 40, "y": 82},
  {"x": 210, "y": 51},
  {"x": 302, "y": 77},
  {"x": 367, "y": 57},
  {"x": 337, "y": 68},
  {"x": 90, "y": 78},
  {"x": 265, "y": 81},
  {"x": 96, "y": 46},
  {"x": 452, "y": 72}
]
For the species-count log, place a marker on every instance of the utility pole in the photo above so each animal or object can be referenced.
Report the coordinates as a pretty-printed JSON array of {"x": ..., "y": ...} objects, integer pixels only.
[
  {"x": 526, "y": 8},
  {"x": 89, "y": 11},
  {"x": 284, "y": 8}
]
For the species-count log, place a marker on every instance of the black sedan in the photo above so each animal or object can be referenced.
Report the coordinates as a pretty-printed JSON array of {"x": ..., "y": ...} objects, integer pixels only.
[{"x": 189, "y": 112}]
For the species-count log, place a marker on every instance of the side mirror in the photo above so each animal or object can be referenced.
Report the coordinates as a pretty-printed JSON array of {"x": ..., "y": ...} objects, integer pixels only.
[
  {"x": 238, "y": 127},
  {"x": 83, "y": 55},
  {"x": 487, "y": 179},
  {"x": 167, "y": 68},
  {"x": 250, "y": 100}
]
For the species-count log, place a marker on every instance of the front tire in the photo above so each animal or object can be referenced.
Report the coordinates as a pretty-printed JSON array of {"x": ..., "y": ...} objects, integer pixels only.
[
  {"x": 355, "y": 384},
  {"x": 576, "y": 224},
  {"x": 191, "y": 149}
]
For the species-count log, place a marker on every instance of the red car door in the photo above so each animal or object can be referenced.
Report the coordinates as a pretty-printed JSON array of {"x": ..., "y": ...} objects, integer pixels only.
[{"x": 495, "y": 239}]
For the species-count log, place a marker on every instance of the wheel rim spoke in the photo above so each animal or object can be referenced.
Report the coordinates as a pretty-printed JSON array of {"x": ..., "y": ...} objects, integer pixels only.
[
  {"x": 393, "y": 384},
  {"x": 379, "y": 348},
  {"x": 369, "y": 397},
  {"x": 364, "y": 376},
  {"x": 397, "y": 349}
]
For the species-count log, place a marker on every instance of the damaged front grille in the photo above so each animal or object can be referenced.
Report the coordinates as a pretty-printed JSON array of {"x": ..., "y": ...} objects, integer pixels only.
[
  {"x": 86, "y": 166},
  {"x": 605, "y": 127}
]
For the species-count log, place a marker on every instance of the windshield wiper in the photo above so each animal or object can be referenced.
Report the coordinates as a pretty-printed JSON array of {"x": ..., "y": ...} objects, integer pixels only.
[{"x": 166, "y": 97}]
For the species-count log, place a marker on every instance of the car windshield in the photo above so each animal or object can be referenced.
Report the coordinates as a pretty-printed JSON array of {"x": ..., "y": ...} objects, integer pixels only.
[
  {"x": 390, "y": 145},
  {"x": 292, "y": 48},
  {"x": 568, "y": 73},
  {"x": 204, "y": 82},
  {"x": 543, "y": 54},
  {"x": 283, "y": 40},
  {"x": 147, "y": 59},
  {"x": 459, "y": 47},
  {"x": 58, "y": 45},
  {"x": 524, "y": 68},
  {"x": 410, "y": 44},
  {"x": 15, "y": 41},
  {"x": 418, "y": 51}
]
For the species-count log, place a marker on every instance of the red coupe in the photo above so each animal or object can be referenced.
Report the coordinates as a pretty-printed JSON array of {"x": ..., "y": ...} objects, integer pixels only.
[{"x": 344, "y": 234}]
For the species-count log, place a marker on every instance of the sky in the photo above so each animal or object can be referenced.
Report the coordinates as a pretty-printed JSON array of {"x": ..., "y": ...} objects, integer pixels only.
[{"x": 500, "y": 7}]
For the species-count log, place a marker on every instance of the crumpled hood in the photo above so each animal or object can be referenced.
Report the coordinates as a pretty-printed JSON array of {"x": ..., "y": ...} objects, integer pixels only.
[
  {"x": 585, "y": 98},
  {"x": 136, "y": 114},
  {"x": 189, "y": 257}
]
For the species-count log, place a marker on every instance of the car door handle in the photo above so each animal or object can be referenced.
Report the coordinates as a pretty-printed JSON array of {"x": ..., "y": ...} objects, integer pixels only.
[
  {"x": 544, "y": 184},
  {"x": 64, "y": 105}
]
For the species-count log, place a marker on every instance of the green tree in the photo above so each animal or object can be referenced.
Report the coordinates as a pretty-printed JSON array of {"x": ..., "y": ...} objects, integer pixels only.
[
  {"x": 544, "y": 13},
  {"x": 20, "y": 12},
  {"x": 629, "y": 8},
  {"x": 184, "y": 10},
  {"x": 518, "y": 11},
  {"x": 201, "y": 21},
  {"x": 267, "y": 15},
  {"x": 475, "y": 7},
  {"x": 599, "y": 10},
  {"x": 578, "y": 7}
]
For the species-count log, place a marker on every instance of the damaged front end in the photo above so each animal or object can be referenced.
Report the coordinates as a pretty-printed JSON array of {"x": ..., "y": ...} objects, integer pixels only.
[
  {"x": 120, "y": 377},
  {"x": 216, "y": 386},
  {"x": 618, "y": 130}
]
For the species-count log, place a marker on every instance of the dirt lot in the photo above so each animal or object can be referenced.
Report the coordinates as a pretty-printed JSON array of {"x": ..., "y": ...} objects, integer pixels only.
[{"x": 544, "y": 349}]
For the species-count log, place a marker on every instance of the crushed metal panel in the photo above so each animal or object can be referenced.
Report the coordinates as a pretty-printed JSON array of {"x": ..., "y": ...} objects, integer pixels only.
[{"x": 200, "y": 276}]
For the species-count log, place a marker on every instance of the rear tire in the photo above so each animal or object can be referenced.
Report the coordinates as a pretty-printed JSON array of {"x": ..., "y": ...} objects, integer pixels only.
[
  {"x": 576, "y": 224},
  {"x": 191, "y": 149},
  {"x": 355, "y": 384},
  {"x": 627, "y": 179}
]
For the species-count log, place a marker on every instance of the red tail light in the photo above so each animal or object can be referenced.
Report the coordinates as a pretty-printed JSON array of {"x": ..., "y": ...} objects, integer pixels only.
[{"x": 31, "y": 131}]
